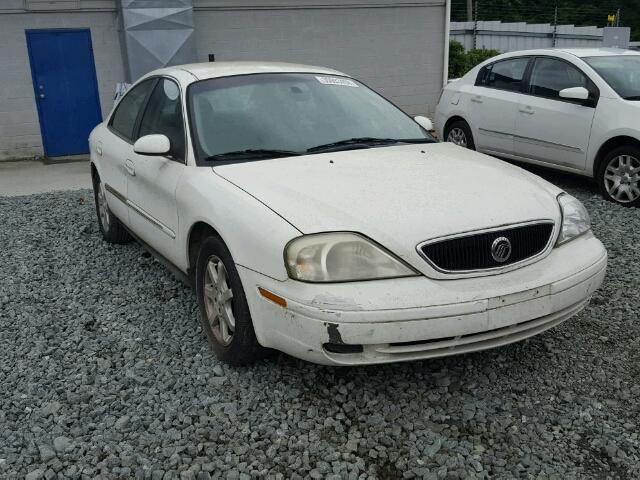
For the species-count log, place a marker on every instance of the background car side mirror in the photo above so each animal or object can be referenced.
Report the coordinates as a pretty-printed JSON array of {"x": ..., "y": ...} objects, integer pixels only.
[
  {"x": 575, "y": 93},
  {"x": 424, "y": 122},
  {"x": 155, "y": 144}
]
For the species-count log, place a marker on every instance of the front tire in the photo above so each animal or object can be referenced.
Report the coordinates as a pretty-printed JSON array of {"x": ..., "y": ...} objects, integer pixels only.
[
  {"x": 618, "y": 176},
  {"x": 111, "y": 228},
  {"x": 224, "y": 311},
  {"x": 459, "y": 133}
]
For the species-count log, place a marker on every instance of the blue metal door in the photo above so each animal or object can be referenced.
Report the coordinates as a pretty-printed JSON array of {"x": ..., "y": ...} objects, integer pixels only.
[{"x": 66, "y": 89}]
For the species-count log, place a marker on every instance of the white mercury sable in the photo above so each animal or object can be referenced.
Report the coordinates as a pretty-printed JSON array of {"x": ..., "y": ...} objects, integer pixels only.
[{"x": 316, "y": 218}]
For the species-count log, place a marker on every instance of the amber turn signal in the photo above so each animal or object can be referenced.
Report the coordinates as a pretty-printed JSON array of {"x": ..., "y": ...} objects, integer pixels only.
[{"x": 273, "y": 297}]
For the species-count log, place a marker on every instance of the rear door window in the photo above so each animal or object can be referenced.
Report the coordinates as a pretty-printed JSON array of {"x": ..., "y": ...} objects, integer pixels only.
[
  {"x": 504, "y": 75},
  {"x": 123, "y": 120}
]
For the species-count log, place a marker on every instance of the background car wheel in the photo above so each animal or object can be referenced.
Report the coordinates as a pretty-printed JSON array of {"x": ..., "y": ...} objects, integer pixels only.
[
  {"x": 223, "y": 306},
  {"x": 112, "y": 229},
  {"x": 619, "y": 176},
  {"x": 459, "y": 133}
]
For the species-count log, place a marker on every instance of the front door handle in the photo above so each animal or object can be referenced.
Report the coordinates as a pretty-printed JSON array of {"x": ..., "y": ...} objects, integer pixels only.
[
  {"x": 131, "y": 169},
  {"x": 477, "y": 99},
  {"x": 527, "y": 110}
]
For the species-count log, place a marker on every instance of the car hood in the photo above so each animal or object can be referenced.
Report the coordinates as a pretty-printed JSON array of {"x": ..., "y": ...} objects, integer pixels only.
[{"x": 399, "y": 196}]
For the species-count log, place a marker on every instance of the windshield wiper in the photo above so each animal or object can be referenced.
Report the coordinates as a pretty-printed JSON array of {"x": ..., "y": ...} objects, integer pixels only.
[
  {"x": 251, "y": 154},
  {"x": 364, "y": 142},
  {"x": 632, "y": 97}
]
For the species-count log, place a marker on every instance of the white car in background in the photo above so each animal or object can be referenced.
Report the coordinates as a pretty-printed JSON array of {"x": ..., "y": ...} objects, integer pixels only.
[
  {"x": 316, "y": 218},
  {"x": 576, "y": 110}
]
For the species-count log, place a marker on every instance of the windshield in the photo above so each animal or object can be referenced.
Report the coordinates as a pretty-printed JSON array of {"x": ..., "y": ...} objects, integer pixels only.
[
  {"x": 286, "y": 113},
  {"x": 621, "y": 72}
]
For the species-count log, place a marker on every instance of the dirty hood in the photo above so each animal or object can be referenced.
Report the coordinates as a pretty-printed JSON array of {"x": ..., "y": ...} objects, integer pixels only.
[{"x": 399, "y": 196}]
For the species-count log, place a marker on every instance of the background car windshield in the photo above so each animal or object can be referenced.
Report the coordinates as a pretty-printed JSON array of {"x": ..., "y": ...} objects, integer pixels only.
[
  {"x": 621, "y": 72},
  {"x": 290, "y": 112}
]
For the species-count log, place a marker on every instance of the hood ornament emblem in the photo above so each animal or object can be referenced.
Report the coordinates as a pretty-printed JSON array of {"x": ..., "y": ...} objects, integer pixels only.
[{"x": 501, "y": 249}]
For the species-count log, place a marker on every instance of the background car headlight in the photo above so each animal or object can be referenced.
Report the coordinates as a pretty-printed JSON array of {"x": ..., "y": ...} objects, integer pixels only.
[
  {"x": 340, "y": 257},
  {"x": 575, "y": 218}
]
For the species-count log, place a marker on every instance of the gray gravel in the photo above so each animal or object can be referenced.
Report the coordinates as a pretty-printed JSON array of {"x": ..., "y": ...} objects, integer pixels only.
[{"x": 104, "y": 371}]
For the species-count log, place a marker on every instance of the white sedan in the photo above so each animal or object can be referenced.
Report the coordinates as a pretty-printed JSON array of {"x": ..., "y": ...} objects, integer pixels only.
[
  {"x": 316, "y": 218},
  {"x": 575, "y": 110}
]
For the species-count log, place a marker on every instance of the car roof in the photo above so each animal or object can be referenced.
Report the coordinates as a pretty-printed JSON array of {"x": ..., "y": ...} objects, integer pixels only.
[
  {"x": 598, "y": 52},
  {"x": 203, "y": 71},
  {"x": 577, "y": 52}
]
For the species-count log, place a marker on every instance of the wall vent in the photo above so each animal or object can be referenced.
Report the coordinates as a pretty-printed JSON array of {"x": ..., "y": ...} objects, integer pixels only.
[{"x": 51, "y": 5}]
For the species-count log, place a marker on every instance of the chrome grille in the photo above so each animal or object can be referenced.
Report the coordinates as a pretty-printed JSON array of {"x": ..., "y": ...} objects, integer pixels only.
[{"x": 473, "y": 251}]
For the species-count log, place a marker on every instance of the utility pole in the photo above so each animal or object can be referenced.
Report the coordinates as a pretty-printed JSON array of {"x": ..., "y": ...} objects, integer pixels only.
[
  {"x": 475, "y": 25},
  {"x": 555, "y": 25},
  {"x": 469, "y": 10},
  {"x": 618, "y": 18}
]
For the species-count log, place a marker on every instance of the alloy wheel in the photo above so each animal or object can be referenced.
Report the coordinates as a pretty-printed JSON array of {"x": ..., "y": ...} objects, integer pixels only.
[
  {"x": 103, "y": 208},
  {"x": 218, "y": 297},
  {"x": 622, "y": 178},
  {"x": 457, "y": 137}
]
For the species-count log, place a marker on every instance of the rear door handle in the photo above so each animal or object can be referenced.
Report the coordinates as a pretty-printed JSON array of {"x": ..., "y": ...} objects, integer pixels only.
[
  {"x": 477, "y": 99},
  {"x": 527, "y": 110},
  {"x": 131, "y": 169}
]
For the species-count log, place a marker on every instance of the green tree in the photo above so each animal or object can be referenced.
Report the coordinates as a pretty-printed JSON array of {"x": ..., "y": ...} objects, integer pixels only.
[
  {"x": 474, "y": 57},
  {"x": 460, "y": 62},
  {"x": 457, "y": 59}
]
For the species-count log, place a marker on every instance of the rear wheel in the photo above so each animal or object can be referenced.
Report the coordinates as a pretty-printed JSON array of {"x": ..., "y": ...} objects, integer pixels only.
[
  {"x": 111, "y": 228},
  {"x": 223, "y": 305},
  {"x": 619, "y": 176},
  {"x": 459, "y": 133}
]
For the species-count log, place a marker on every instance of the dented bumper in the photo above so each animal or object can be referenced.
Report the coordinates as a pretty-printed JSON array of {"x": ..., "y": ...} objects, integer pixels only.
[{"x": 416, "y": 318}]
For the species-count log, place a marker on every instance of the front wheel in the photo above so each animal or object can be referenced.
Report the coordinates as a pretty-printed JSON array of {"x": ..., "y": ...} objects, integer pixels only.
[
  {"x": 619, "y": 176},
  {"x": 224, "y": 311},
  {"x": 459, "y": 133},
  {"x": 112, "y": 229}
]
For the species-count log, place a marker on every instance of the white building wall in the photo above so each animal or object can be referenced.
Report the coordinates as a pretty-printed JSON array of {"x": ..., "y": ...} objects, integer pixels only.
[
  {"x": 394, "y": 47},
  {"x": 19, "y": 126}
]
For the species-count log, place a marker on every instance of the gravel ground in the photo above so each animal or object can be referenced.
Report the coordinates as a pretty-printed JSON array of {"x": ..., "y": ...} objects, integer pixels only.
[{"x": 104, "y": 371}]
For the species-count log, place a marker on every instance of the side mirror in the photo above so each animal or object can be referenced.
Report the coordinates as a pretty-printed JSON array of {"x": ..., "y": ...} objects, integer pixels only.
[
  {"x": 575, "y": 93},
  {"x": 152, "y": 145},
  {"x": 424, "y": 122}
]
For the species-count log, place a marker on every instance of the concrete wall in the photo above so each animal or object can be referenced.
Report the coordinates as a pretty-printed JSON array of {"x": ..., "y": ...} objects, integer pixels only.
[
  {"x": 19, "y": 126},
  {"x": 509, "y": 37},
  {"x": 395, "y": 47}
]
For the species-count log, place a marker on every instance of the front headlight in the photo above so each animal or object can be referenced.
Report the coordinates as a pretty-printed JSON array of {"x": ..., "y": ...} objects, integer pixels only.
[
  {"x": 575, "y": 218},
  {"x": 340, "y": 257}
]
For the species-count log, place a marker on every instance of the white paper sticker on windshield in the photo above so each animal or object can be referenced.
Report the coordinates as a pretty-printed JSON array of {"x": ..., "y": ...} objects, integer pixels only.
[{"x": 342, "y": 82}]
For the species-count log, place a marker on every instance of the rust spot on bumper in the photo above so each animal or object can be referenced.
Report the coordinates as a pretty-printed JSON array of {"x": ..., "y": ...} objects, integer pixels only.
[{"x": 334, "y": 333}]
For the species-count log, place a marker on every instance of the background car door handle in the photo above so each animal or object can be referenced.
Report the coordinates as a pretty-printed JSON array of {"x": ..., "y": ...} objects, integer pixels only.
[
  {"x": 477, "y": 99},
  {"x": 527, "y": 110},
  {"x": 128, "y": 164}
]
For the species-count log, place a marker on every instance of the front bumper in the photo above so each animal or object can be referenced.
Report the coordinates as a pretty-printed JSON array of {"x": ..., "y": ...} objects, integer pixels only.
[{"x": 417, "y": 318}]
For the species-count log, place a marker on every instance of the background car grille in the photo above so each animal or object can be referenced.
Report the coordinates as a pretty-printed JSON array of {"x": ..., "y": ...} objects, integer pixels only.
[{"x": 473, "y": 252}]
